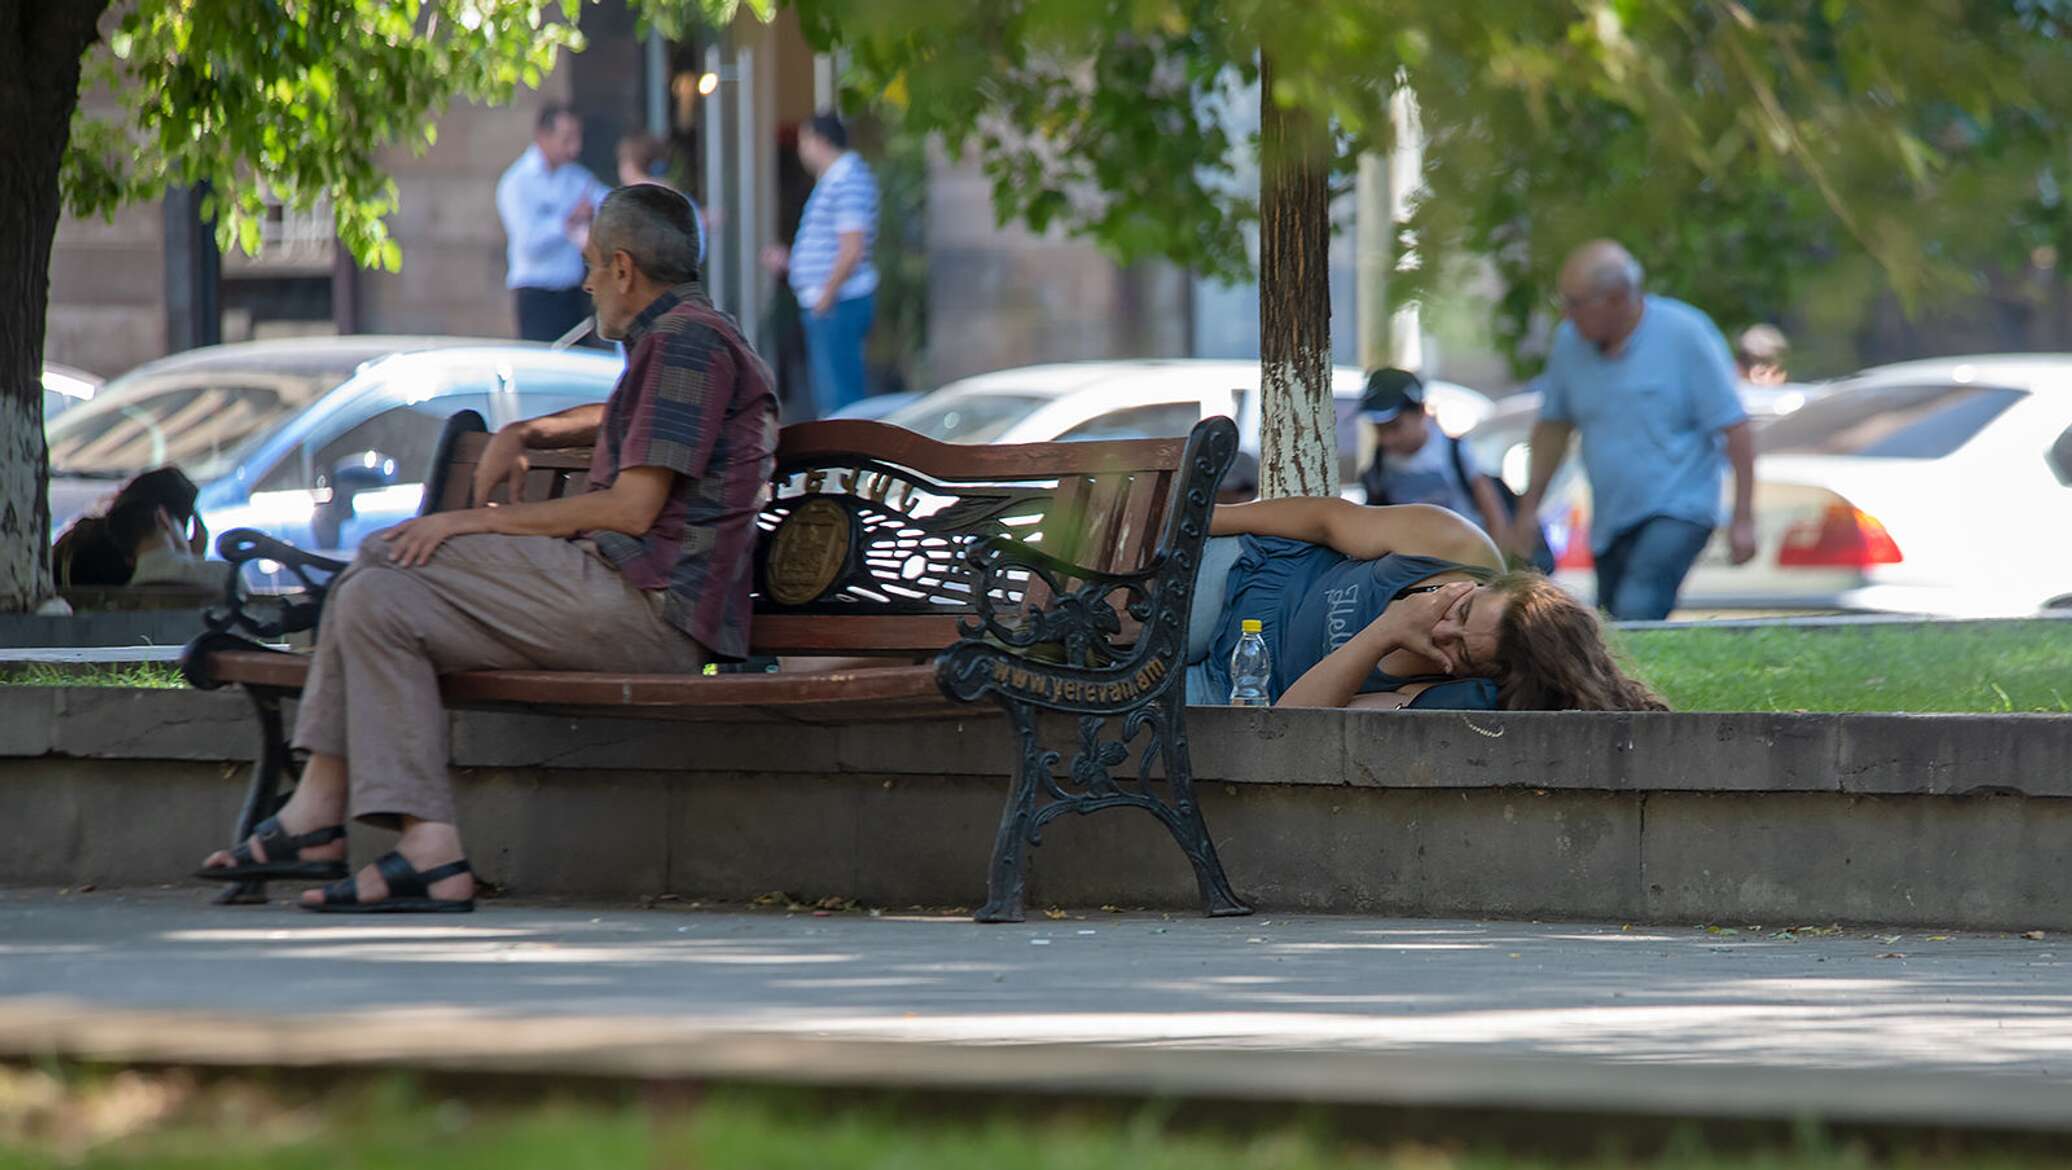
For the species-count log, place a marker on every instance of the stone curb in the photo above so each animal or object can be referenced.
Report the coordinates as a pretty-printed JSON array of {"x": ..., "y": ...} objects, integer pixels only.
[{"x": 1870, "y": 754}]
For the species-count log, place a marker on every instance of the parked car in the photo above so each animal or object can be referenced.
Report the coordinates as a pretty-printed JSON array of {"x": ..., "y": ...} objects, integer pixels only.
[
  {"x": 1151, "y": 398},
  {"x": 315, "y": 441},
  {"x": 65, "y": 387},
  {"x": 876, "y": 406},
  {"x": 1938, "y": 487}
]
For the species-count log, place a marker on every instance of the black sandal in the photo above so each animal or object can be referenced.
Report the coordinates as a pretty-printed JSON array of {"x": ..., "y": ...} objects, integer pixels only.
[
  {"x": 408, "y": 890},
  {"x": 281, "y": 850}
]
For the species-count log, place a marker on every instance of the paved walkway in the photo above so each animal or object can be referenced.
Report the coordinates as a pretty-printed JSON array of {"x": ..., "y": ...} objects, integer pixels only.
[{"x": 1970, "y": 1003}]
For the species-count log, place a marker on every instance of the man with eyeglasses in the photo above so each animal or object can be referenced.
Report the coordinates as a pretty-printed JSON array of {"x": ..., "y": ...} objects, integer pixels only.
[{"x": 1649, "y": 383}]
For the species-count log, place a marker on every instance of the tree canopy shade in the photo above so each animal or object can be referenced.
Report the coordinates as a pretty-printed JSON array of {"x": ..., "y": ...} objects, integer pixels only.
[
  {"x": 1750, "y": 151},
  {"x": 1741, "y": 147},
  {"x": 293, "y": 98}
]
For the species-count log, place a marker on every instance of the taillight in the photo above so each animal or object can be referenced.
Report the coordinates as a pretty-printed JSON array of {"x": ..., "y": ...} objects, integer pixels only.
[
  {"x": 1576, "y": 553},
  {"x": 1842, "y": 537}
]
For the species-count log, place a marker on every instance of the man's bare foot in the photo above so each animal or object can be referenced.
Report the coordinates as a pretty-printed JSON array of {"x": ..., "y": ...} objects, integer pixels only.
[{"x": 425, "y": 845}]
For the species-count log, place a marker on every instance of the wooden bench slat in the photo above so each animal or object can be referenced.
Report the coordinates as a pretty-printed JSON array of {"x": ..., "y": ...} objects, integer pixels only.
[
  {"x": 1104, "y": 503},
  {"x": 901, "y": 691},
  {"x": 783, "y": 633},
  {"x": 806, "y": 442},
  {"x": 1134, "y": 536}
]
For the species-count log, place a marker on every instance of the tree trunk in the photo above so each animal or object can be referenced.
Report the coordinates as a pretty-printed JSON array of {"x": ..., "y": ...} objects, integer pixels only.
[
  {"x": 41, "y": 44},
  {"x": 1298, "y": 453}
]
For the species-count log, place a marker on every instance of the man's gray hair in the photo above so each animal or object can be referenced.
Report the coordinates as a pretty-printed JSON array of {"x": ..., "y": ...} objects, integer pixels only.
[
  {"x": 652, "y": 224},
  {"x": 1617, "y": 272}
]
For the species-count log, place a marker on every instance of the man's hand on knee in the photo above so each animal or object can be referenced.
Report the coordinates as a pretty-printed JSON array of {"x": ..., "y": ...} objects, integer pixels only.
[{"x": 413, "y": 542}]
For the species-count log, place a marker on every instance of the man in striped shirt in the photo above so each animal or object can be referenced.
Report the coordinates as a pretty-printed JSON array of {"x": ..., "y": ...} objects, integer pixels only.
[{"x": 830, "y": 262}]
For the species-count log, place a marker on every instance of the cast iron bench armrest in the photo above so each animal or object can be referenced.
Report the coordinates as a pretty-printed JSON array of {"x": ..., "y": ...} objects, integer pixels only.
[
  {"x": 1078, "y": 617},
  {"x": 240, "y": 622}
]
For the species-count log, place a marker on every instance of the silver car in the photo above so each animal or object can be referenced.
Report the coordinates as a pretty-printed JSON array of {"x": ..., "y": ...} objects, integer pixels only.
[
  {"x": 315, "y": 441},
  {"x": 1147, "y": 398}
]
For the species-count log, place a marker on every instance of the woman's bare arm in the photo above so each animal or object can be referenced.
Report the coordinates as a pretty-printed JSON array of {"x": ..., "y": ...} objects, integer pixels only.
[{"x": 1359, "y": 531}]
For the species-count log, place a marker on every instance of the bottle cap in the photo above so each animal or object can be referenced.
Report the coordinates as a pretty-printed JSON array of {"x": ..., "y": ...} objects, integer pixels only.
[{"x": 1250, "y": 625}]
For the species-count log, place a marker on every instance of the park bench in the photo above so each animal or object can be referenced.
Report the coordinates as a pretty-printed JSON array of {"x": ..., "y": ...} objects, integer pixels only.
[{"x": 1043, "y": 577}]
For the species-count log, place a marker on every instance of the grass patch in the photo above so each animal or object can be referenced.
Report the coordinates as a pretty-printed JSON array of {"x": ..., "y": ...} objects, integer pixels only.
[
  {"x": 168, "y": 1121},
  {"x": 155, "y": 675},
  {"x": 1996, "y": 667},
  {"x": 1981, "y": 667}
]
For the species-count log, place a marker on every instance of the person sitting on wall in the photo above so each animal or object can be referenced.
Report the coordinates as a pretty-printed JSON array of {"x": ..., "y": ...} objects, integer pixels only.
[{"x": 150, "y": 534}]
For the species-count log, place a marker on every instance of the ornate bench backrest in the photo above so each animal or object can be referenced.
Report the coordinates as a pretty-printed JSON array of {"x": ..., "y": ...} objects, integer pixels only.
[{"x": 867, "y": 518}]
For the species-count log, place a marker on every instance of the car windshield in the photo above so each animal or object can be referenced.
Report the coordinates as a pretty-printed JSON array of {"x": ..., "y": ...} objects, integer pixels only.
[
  {"x": 967, "y": 418},
  {"x": 1888, "y": 422},
  {"x": 199, "y": 423}
]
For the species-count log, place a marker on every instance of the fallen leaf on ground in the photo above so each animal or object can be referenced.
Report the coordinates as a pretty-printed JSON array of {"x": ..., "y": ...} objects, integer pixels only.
[
  {"x": 1938, "y": 938},
  {"x": 2033, "y": 934},
  {"x": 1053, "y": 914},
  {"x": 1892, "y": 955}
]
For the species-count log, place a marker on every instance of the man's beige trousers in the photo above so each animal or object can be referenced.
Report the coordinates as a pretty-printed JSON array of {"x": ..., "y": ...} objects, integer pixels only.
[{"x": 484, "y": 602}]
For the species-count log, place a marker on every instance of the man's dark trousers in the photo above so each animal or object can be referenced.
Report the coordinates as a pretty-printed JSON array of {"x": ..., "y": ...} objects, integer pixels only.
[{"x": 1639, "y": 576}]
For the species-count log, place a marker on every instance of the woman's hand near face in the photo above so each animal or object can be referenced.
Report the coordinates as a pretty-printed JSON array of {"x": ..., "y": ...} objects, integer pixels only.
[{"x": 1408, "y": 624}]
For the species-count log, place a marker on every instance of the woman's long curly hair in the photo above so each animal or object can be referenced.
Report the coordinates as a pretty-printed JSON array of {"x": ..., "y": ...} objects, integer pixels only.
[{"x": 1551, "y": 654}]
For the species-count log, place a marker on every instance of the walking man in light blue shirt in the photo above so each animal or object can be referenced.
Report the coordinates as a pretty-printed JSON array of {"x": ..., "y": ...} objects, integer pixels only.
[
  {"x": 1649, "y": 383},
  {"x": 830, "y": 263},
  {"x": 546, "y": 200}
]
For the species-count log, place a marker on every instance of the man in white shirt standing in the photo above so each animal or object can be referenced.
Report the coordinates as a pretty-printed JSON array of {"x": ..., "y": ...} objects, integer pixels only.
[
  {"x": 830, "y": 263},
  {"x": 546, "y": 200}
]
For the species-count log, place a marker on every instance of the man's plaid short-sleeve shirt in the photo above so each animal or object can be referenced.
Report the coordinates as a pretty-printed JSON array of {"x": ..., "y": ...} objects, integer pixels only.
[{"x": 696, "y": 400}]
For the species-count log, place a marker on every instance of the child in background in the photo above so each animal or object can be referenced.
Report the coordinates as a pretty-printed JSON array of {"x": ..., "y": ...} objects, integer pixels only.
[{"x": 1417, "y": 463}]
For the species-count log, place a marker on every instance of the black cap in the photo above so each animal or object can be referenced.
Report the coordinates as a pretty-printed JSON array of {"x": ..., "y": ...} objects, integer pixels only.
[{"x": 1389, "y": 390}]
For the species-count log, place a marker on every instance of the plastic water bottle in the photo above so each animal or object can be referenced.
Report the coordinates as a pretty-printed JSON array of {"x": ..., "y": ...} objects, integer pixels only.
[{"x": 1251, "y": 668}]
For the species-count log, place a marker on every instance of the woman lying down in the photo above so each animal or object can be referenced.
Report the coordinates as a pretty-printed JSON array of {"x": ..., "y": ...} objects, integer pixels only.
[{"x": 1393, "y": 607}]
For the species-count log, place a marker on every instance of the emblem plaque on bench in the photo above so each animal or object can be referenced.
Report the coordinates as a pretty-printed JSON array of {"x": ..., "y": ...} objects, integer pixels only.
[{"x": 808, "y": 552}]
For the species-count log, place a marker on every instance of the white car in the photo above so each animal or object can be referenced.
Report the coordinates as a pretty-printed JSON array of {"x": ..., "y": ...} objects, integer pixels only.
[
  {"x": 1938, "y": 487},
  {"x": 1150, "y": 398},
  {"x": 64, "y": 388}
]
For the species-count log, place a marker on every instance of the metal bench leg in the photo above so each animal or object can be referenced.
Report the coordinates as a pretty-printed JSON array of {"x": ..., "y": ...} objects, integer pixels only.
[
  {"x": 264, "y": 797},
  {"x": 1005, "y": 876},
  {"x": 1192, "y": 832}
]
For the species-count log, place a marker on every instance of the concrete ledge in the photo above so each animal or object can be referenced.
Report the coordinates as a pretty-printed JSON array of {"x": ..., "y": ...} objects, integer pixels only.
[{"x": 1934, "y": 820}]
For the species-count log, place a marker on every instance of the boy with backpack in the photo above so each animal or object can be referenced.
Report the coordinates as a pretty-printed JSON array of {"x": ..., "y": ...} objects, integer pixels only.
[{"x": 1417, "y": 463}]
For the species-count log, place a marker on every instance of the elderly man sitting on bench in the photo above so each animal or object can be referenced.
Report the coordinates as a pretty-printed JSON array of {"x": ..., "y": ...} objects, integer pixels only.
[{"x": 650, "y": 572}]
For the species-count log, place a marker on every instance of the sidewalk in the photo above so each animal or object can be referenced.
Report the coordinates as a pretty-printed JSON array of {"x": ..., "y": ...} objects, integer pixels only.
[{"x": 1968, "y": 1029}]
